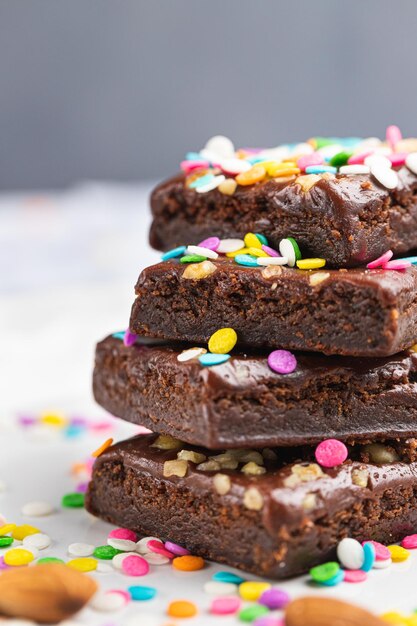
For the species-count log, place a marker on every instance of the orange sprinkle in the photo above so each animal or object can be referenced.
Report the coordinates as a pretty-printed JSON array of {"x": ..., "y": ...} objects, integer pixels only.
[
  {"x": 103, "y": 447},
  {"x": 188, "y": 563},
  {"x": 182, "y": 608},
  {"x": 78, "y": 468},
  {"x": 252, "y": 176}
]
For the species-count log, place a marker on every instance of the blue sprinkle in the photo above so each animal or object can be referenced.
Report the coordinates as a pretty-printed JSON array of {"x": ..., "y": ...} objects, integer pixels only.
[
  {"x": 411, "y": 259},
  {"x": 253, "y": 160},
  {"x": 74, "y": 430},
  {"x": 119, "y": 335},
  {"x": 203, "y": 180},
  {"x": 228, "y": 577},
  {"x": 174, "y": 253},
  {"x": 369, "y": 556},
  {"x": 350, "y": 142},
  {"x": 194, "y": 156},
  {"x": 332, "y": 582},
  {"x": 262, "y": 239},
  {"x": 213, "y": 359},
  {"x": 320, "y": 169},
  {"x": 246, "y": 259},
  {"x": 138, "y": 592}
]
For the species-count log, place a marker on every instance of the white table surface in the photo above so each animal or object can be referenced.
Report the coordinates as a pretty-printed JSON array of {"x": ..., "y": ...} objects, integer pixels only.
[{"x": 69, "y": 262}]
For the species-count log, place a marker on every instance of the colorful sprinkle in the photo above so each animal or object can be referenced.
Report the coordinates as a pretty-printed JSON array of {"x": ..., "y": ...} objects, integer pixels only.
[
  {"x": 381, "y": 552},
  {"x": 212, "y": 243},
  {"x": 274, "y": 598},
  {"x": 192, "y": 258},
  {"x": 282, "y": 361},
  {"x": 226, "y": 605},
  {"x": 18, "y": 556},
  {"x": 251, "y": 613},
  {"x": 409, "y": 542},
  {"x": 176, "y": 549},
  {"x": 106, "y": 444},
  {"x": 174, "y": 253},
  {"x": 129, "y": 338},
  {"x": 350, "y": 554},
  {"x": 325, "y": 572},
  {"x": 384, "y": 258},
  {"x": 369, "y": 554},
  {"x": 399, "y": 264},
  {"x": 252, "y": 590},
  {"x": 86, "y": 564},
  {"x": 355, "y": 576},
  {"x": 73, "y": 500},
  {"x": 182, "y": 608},
  {"x": 331, "y": 453},
  {"x": 228, "y": 577},
  {"x": 311, "y": 264},
  {"x": 122, "y": 533},
  {"x": 210, "y": 359},
  {"x": 188, "y": 563},
  {"x": 398, "y": 554},
  {"x": 105, "y": 553},
  {"x": 289, "y": 248},
  {"x": 135, "y": 565},
  {"x": 227, "y": 246},
  {"x": 140, "y": 593},
  {"x": 246, "y": 259},
  {"x": 222, "y": 341}
]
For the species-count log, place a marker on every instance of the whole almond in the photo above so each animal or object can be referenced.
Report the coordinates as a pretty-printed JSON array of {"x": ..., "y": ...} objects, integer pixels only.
[
  {"x": 319, "y": 611},
  {"x": 46, "y": 593}
]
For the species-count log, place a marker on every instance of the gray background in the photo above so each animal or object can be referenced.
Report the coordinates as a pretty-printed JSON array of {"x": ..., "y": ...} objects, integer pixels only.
[{"x": 121, "y": 89}]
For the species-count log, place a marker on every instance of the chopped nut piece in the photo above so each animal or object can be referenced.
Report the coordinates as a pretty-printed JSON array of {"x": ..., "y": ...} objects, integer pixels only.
[
  {"x": 190, "y": 455},
  {"x": 252, "y": 499},
  {"x": 378, "y": 453},
  {"x": 303, "y": 473},
  {"x": 175, "y": 468},
  {"x": 307, "y": 181},
  {"x": 360, "y": 477},
  {"x": 166, "y": 442},
  {"x": 197, "y": 271},
  {"x": 271, "y": 270},
  {"x": 253, "y": 469},
  {"x": 309, "y": 502},
  {"x": 318, "y": 277},
  {"x": 209, "y": 466},
  {"x": 228, "y": 186},
  {"x": 252, "y": 455},
  {"x": 222, "y": 484},
  {"x": 225, "y": 460}
]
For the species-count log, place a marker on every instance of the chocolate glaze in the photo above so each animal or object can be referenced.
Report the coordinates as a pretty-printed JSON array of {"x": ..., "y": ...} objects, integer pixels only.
[{"x": 348, "y": 220}]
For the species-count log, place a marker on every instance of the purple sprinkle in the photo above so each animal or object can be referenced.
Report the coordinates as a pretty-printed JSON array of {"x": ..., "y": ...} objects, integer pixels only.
[
  {"x": 212, "y": 243},
  {"x": 274, "y": 598},
  {"x": 176, "y": 549},
  {"x": 282, "y": 361},
  {"x": 268, "y": 620},
  {"x": 27, "y": 420},
  {"x": 78, "y": 421},
  {"x": 129, "y": 338},
  {"x": 270, "y": 251},
  {"x": 81, "y": 487}
]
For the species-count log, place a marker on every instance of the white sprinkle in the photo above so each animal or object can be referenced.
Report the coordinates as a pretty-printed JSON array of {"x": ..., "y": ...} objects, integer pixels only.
[
  {"x": 104, "y": 568},
  {"x": 386, "y": 177},
  {"x": 216, "y": 588},
  {"x": 230, "y": 245},
  {"x": 354, "y": 169},
  {"x": 303, "y": 148},
  {"x": 411, "y": 162},
  {"x": 350, "y": 553},
  {"x": 156, "y": 559},
  {"x": 210, "y": 254},
  {"x": 286, "y": 249},
  {"x": 328, "y": 152},
  {"x": 122, "y": 544},
  {"x": 142, "y": 544},
  {"x": 37, "y": 508},
  {"x": 377, "y": 160},
  {"x": 107, "y": 601},
  {"x": 221, "y": 146},
  {"x": 272, "y": 260},
  {"x": 40, "y": 541},
  {"x": 80, "y": 549},
  {"x": 118, "y": 559},
  {"x": 191, "y": 353},
  {"x": 212, "y": 184},
  {"x": 382, "y": 564},
  {"x": 232, "y": 167}
]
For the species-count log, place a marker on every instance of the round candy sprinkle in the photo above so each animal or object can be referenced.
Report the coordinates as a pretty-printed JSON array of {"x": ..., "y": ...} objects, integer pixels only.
[
  {"x": 340, "y": 159},
  {"x": 106, "y": 553},
  {"x": 213, "y": 359},
  {"x": 282, "y": 361},
  {"x": 397, "y": 159},
  {"x": 40, "y": 541},
  {"x": 18, "y": 556},
  {"x": 226, "y": 605},
  {"x": 219, "y": 589},
  {"x": 156, "y": 559},
  {"x": 398, "y": 264},
  {"x": 274, "y": 598},
  {"x": 382, "y": 564},
  {"x": 268, "y": 620},
  {"x": 354, "y": 576},
  {"x": 157, "y": 547},
  {"x": 385, "y": 176},
  {"x": 135, "y": 565},
  {"x": 320, "y": 169},
  {"x": 378, "y": 161},
  {"x": 221, "y": 146},
  {"x": 211, "y": 243},
  {"x": 250, "y": 613},
  {"x": 73, "y": 500},
  {"x": 233, "y": 167},
  {"x": 108, "y": 601},
  {"x": 310, "y": 159},
  {"x": 384, "y": 258},
  {"x": 393, "y": 135},
  {"x": 381, "y": 552},
  {"x": 7, "y": 528},
  {"x": 228, "y": 577},
  {"x": 140, "y": 593},
  {"x": 311, "y": 264},
  {"x": 173, "y": 254},
  {"x": 188, "y": 563},
  {"x": 142, "y": 544},
  {"x": 257, "y": 252},
  {"x": 272, "y": 260},
  {"x": 350, "y": 553},
  {"x": 252, "y": 241},
  {"x": 192, "y": 258},
  {"x": 83, "y": 564},
  {"x": 181, "y": 608},
  {"x": 176, "y": 549},
  {"x": 369, "y": 554},
  {"x": 411, "y": 162},
  {"x": 125, "y": 545},
  {"x": 190, "y": 166},
  {"x": 252, "y": 176},
  {"x": 80, "y": 549},
  {"x": 37, "y": 509},
  {"x": 106, "y": 444},
  {"x": 191, "y": 353},
  {"x": 202, "y": 181},
  {"x": 129, "y": 338},
  {"x": 262, "y": 239},
  {"x": 20, "y": 532},
  {"x": 6, "y": 541},
  {"x": 252, "y": 590},
  {"x": 332, "y": 582},
  {"x": 212, "y": 184},
  {"x": 204, "y": 252},
  {"x": 269, "y": 251},
  {"x": 233, "y": 255},
  {"x": 222, "y": 341},
  {"x": 49, "y": 559},
  {"x": 349, "y": 170},
  {"x": 409, "y": 542},
  {"x": 289, "y": 249},
  {"x": 398, "y": 554},
  {"x": 230, "y": 245},
  {"x": 118, "y": 558},
  {"x": 331, "y": 452},
  {"x": 246, "y": 259},
  {"x": 122, "y": 533},
  {"x": 326, "y": 571}
]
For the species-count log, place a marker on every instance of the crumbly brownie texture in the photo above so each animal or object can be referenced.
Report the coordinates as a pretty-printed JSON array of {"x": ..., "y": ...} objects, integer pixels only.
[
  {"x": 275, "y": 524},
  {"x": 347, "y": 220},
  {"x": 244, "y": 403},
  {"x": 354, "y": 312}
]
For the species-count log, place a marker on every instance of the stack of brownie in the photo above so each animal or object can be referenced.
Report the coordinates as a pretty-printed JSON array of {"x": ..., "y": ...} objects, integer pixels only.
[{"x": 323, "y": 353}]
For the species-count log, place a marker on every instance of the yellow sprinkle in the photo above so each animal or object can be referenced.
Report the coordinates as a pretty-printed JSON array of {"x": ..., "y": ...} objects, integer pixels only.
[
  {"x": 288, "y": 170},
  {"x": 398, "y": 553},
  {"x": 311, "y": 264},
  {"x": 232, "y": 255},
  {"x": 252, "y": 176},
  {"x": 18, "y": 556},
  {"x": 257, "y": 252},
  {"x": 252, "y": 241},
  {"x": 103, "y": 447},
  {"x": 392, "y": 617},
  {"x": 222, "y": 341},
  {"x": 83, "y": 564},
  {"x": 20, "y": 532},
  {"x": 6, "y": 529},
  {"x": 228, "y": 187},
  {"x": 252, "y": 590},
  {"x": 53, "y": 419}
]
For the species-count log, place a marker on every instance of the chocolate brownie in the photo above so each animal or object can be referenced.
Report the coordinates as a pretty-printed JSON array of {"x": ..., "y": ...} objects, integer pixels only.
[
  {"x": 271, "y": 513},
  {"x": 355, "y": 312},
  {"x": 244, "y": 403},
  {"x": 347, "y": 220}
]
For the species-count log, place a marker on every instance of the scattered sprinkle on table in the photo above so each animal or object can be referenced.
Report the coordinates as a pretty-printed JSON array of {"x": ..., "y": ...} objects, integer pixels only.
[{"x": 73, "y": 500}]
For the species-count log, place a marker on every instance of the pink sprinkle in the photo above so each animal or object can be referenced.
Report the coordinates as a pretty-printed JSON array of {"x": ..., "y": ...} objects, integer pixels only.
[
  {"x": 158, "y": 548},
  {"x": 3, "y": 565},
  {"x": 331, "y": 452},
  {"x": 100, "y": 426},
  {"x": 384, "y": 258},
  {"x": 354, "y": 576},
  {"x": 125, "y": 594},
  {"x": 309, "y": 159},
  {"x": 141, "y": 430},
  {"x": 358, "y": 159},
  {"x": 190, "y": 166},
  {"x": 393, "y": 135},
  {"x": 270, "y": 251},
  {"x": 226, "y": 605},
  {"x": 282, "y": 361},
  {"x": 135, "y": 566},
  {"x": 409, "y": 542},
  {"x": 176, "y": 549},
  {"x": 381, "y": 552},
  {"x": 212, "y": 243},
  {"x": 130, "y": 338},
  {"x": 396, "y": 265},
  {"x": 268, "y": 620},
  {"x": 123, "y": 533},
  {"x": 397, "y": 158}
]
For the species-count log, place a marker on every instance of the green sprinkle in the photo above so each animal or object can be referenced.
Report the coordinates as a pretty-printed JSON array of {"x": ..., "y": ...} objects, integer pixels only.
[
  {"x": 325, "y": 572},
  {"x": 106, "y": 552},
  {"x": 297, "y": 251},
  {"x": 73, "y": 500},
  {"x": 251, "y": 613},
  {"x": 262, "y": 238},
  {"x": 339, "y": 159},
  {"x": 322, "y": 142},
  {"x": 49, "y": 559},
  {"x": 6, "y": 541},
  {"x": 192, "y": 258}
]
